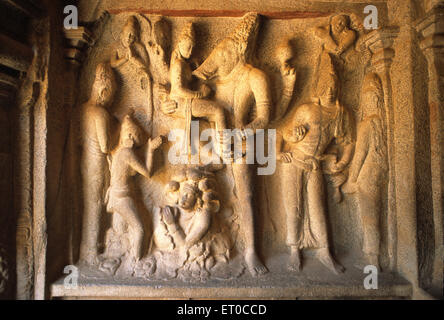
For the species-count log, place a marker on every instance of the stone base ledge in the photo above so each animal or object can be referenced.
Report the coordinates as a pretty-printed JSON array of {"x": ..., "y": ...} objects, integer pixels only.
[{"x": 314, "y": 282}]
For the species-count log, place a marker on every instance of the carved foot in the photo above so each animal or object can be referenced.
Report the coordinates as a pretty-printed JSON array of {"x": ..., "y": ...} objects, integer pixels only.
[
  {"x": 109, "y": 265},
  {"x": 337, "y": 195},
  {"x": 91, "y": 260},
  {"x": 327, "y": 260},
  {"x": 254, "y": 265},
  {"x": 373, "y": 260},
  {"x": 295, "y": 263}
]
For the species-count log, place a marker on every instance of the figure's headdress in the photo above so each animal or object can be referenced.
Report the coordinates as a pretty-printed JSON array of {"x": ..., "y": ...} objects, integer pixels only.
[
  {"x": 325, "y": 76},
  {"x": 133, "y": 24},
  {"x": 372, "y": 83},
  {"x": 104, "y": 78},
  {"x": 187, "y": 32},
  {"x": 245, "y": 35}
]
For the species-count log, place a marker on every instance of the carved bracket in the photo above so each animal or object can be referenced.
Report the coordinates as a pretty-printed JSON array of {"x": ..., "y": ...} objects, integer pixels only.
[
  {"x": 380, "y": 44},
  {"x": 78, "y": 40},
  {"x": 81, "y": 39}
]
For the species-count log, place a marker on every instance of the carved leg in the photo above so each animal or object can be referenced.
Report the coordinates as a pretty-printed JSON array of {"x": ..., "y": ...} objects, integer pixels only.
[
  {"x": 318, "y": 222},
  {"x": 93, "y": 190},
  {"x": 243, "y": 181},
  {"x": 127, "y": 209},
  {"x": 295, "y": 263},
  {"x": 216, "y": 114},
  {"x": 212, "y": 111},
  {"x": 292, "y": 193},
  {"x": 368, "y": 206}
]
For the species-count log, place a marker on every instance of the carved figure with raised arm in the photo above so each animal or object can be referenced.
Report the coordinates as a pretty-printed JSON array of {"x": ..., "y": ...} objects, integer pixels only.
[
  {"x": 125, "y": 164},
  {"x": 133, "y": 54}
]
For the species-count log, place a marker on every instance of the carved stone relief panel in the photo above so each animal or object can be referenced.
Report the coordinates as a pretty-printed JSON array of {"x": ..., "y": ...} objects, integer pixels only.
[{"x": 161, "y": 92}]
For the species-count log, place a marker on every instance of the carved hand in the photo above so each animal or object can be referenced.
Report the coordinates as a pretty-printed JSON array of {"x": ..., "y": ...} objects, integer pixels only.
[
  {"x": 155, "y": 143},
  {"x": 286, "y": 157},
  {"x": 169, "y": 107},
  {"x": 129, "y": 54},
  {"x": 338, "y": 167},
  {"x": 168, "y": 216},
  {"x": 205, "y": 91},
  {"x": 157, "y": 50},
  {"x": 299, "y": 133},
  {"x": 289, "y": 72},
  {"x": 350, "y": 187},
  {"x": 289, "y": 77},
  {"x": 312, "y": 163}
]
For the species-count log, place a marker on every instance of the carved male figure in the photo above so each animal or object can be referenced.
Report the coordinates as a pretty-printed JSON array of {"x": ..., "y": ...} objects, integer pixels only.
[
  {"x": 96, "y": 133},
  {"x": 369, "y": 166},
  {"x": 190, "y": 102},
  {"x": 125, "y": 165},
  {"x": 132, "y": 53},
  {"x": 241, "y": 84},
  {"x": 302, "y": 141}
]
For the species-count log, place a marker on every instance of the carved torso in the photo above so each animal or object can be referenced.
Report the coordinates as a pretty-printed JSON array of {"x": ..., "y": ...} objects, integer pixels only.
[
  {"x": 121, "y": 170},
  {"x": 181, "y": 70},
  {"x": 95, "y": 121},
  {"x": 322, "y": 125},
  {"x": 244, "y": 88}
]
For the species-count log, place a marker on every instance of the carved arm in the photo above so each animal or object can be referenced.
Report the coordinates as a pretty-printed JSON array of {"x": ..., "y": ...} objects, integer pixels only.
[
  {"x": 117, "y": 62},
  {"x": 261, "y": 90},
  {"x": 177, "y": 83},
  {"x": 289, "y": 77},
  {"x": 102, "y": 128},
  {"x": 360, "y": 153}
]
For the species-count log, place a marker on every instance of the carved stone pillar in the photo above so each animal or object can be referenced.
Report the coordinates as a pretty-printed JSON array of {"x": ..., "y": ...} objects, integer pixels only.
[
  {"x": 15, "y": 58},
  {"x": 380, "y": 43},
  {"x": 8, "y": 87},
  {"x": 431, "y": 29}
]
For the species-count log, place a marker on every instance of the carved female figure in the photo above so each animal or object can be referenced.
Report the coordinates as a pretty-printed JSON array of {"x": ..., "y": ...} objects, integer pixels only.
[
  {"x": 95, "y": 128},
  {"x": 369, "y": 166},
  {"x": 302, "y": 141},
  {"x": 125, "y": 164},
  {"x": 132, "y": 60}
]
